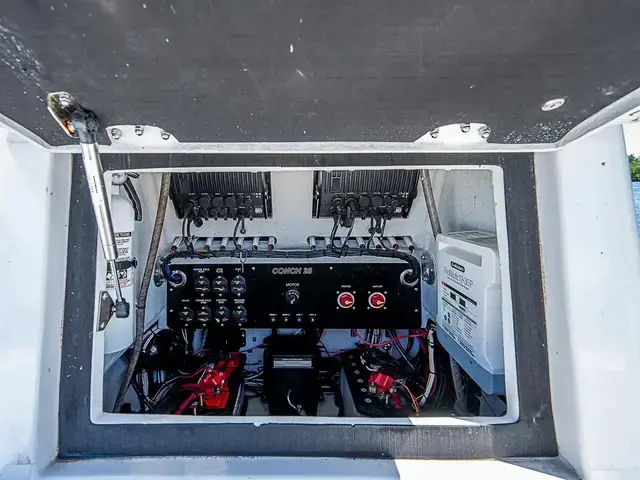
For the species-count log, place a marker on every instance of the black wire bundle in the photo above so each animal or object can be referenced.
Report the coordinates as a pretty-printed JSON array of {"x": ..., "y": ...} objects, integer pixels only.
[{"x": 412, "y": 261}]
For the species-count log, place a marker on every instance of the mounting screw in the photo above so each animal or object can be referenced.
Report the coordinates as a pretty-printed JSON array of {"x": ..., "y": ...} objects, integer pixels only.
[
  {"x": 139, "y": 131},
  {"x": 119, "y": 178},
  {"x": 465, "y": 128},
  {"x": 165, "y": 135},
  {"x": 484, "y": 132},
  {"x": 367, "y": 400},
  {"x": 116, "y": 133},
  {"x": 65, "y": 99},
  {"x": 552, "y": 104},
  {"x": 434, "y": 133}
]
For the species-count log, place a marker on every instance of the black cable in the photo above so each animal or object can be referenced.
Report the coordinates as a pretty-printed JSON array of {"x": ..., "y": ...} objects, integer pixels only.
[
  {"x": 384, "y": 226},
  {"x": 186, "y": 222},
  {"x": 184, "y": 232},
  {"x": 346, "y": 244},
  {"x": 391, "y": 333},
  {"x": 235, "y": 233},
  {"x": 372, "y": 232},
  {"x": 145, "y": 402},
  {"x": 413, "y": 262},
  {"x": 332, "y": 236},
  {"x": 133, "y": 198}
]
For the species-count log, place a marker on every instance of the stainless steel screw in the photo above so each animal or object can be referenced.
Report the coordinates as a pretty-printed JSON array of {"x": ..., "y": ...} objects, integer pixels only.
[
  {"x": 64, "y": 99},
  {"x": 116, "y": 133},
  {"x": 434, "y": 133},
  {"x": 465, "y": 128},
  {"x": 367, "y": 400},
  {"x": 552, "y": 104},
  {"x": 165, "y": 135},
  {"x": 484, "y": 132},
  {"x": 139, "y": 131}
]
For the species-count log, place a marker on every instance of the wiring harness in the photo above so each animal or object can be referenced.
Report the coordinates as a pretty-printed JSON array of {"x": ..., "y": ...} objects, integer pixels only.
[{"x": 242, "y": 255}]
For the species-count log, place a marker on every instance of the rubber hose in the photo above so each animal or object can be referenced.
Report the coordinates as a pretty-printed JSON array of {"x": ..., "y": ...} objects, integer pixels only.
[
  {"x": 456, "y": 373},
  {"x": 141, "y": 303}
]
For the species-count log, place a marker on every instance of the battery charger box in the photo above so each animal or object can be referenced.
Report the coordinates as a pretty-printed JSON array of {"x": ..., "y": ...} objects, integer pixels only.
[{"x": 469, "y": 321}]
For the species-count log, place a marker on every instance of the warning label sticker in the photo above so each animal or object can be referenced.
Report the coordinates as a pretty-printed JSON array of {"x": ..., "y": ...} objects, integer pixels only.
[
  {"x": 126, "y": 278},
  {"x": 123, "y": 244},
  {"x": 124, "y": 247},
  {"x": 459, "y": 317}
]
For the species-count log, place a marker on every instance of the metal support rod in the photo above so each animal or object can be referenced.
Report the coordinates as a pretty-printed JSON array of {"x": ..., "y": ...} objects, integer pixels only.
[
  {"x": 95, "y": 179},
  {"x": 97, "y": 188},
  {"x": 99, "y": 201},
  {"x": 83, "y": 124}
]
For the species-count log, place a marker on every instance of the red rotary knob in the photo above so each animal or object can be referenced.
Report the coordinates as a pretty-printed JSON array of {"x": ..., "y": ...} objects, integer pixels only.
[
  {"x": 346, "y": 300},
  {"x": 377, "y": 300}
]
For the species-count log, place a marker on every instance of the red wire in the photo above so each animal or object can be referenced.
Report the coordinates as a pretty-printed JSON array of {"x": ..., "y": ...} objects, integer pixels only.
[
  {"x": 423, "y": 348},
  {"x": 186, "y": 403},
  {"x": 391, "y": 340}
]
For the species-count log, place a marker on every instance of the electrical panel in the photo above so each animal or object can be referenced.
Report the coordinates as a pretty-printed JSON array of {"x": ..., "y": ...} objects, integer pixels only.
[
  {"x": 221, "y": 195},
  {"x": 278, "y": 294}
]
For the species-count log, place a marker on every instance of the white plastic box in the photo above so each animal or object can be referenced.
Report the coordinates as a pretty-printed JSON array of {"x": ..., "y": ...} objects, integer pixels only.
[{"x": 469, "y": 316}]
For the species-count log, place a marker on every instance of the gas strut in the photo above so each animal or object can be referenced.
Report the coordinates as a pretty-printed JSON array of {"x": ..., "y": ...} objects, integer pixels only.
[{"x": 82, "y": 124}]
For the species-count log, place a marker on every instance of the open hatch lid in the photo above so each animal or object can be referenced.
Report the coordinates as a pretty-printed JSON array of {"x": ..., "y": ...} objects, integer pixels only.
[{"x": 300, "y": 71}]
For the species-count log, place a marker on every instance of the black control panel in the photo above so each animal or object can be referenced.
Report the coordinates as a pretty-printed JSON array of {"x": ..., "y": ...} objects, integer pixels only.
[
  {"x": 312, "y": 295},
  {"x": 222, "y": 195}
]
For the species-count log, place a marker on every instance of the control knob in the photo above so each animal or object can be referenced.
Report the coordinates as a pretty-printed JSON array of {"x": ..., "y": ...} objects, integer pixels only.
[
  {"x": 220, "y": 284},
  {"x": 222, "y": 314},
  {"x": 346, "y": 300},
  {"x": 240, "y": 314},
  {"x": 377, "y": 300},
  {"x": 186, "y": 315},
  {"x": 202, "y": 285},
  {"x": 292, "y": 296},
  {"x": 238, "y": 285},
  {"x": 204, "y": 314}
]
